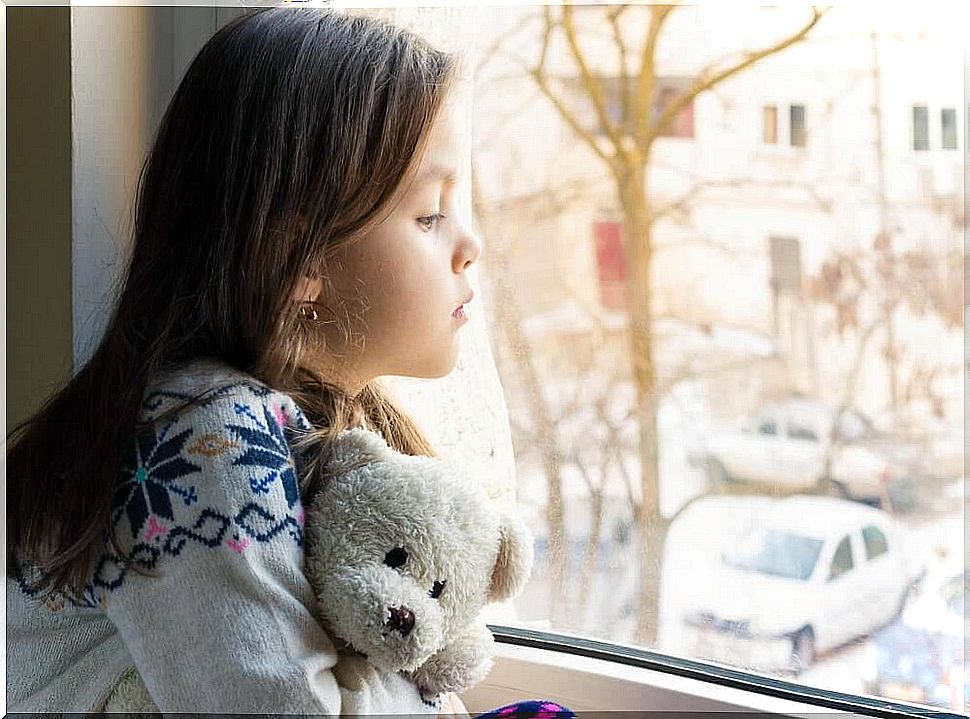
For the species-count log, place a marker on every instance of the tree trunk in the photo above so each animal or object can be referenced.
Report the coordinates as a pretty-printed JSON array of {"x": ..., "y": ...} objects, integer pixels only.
[
  {"x": 639, "y": 245},
  {"x": 510, "y": 321}
]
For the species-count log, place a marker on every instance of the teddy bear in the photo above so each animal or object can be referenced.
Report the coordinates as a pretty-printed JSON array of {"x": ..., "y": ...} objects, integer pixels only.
[{"x": 403, "y": 553}]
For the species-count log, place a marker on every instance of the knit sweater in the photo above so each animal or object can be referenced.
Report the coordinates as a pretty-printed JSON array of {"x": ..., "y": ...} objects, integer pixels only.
[{"x": 209, "y": 500}]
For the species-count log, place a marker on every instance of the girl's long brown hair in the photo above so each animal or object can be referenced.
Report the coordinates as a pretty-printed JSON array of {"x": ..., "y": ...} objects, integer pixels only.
[{"x": 293, "y": 130}]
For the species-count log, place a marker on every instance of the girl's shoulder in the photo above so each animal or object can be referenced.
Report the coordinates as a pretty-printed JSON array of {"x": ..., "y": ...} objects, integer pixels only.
[{"x": 205, "y": 389}]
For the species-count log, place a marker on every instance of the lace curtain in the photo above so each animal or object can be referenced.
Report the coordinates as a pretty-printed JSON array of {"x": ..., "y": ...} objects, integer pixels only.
[{"x": 464, "y": 413}]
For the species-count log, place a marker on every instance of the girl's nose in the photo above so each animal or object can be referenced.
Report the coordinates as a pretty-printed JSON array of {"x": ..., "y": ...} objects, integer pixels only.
[{"x": 469, "y": 250}]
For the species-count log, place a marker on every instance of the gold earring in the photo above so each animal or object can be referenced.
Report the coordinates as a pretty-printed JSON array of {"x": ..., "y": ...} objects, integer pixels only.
[{"x": 312, "y": 314}]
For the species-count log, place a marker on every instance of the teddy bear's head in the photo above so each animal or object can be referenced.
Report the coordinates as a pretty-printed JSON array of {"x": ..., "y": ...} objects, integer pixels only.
[{"x": 403, "y": 550}]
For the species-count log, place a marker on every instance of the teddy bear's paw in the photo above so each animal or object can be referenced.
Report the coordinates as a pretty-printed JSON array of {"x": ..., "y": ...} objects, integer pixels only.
[{"x": 457, "y": 667}]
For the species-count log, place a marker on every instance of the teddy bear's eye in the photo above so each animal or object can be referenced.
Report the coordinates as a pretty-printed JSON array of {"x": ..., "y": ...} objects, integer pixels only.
[
  {"x": 396, "y": 557},
  {"x": 437, "y": 589}
]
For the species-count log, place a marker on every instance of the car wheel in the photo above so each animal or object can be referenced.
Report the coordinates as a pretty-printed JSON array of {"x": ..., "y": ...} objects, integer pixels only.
[
  {"x": 717, "y": 475},
  {"x": 802, "y": 651}
]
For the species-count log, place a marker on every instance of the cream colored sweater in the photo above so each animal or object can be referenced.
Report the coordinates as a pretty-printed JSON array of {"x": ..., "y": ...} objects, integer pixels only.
[{"x": 208, "y": 499}]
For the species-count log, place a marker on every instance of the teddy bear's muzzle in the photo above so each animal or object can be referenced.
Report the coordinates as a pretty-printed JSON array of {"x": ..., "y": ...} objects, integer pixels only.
[{"x": 401, "y": 620}]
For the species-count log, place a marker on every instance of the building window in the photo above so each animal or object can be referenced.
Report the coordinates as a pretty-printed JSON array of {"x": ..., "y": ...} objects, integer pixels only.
[
  {"x": 921, "y": 127},
  {"x": 797, "y": 124},
  {"x": 786, "y": 264},
  {"x": 610, "y": 264},
  {"x": 948, "y": 128},
  {"x": 769, "y": 125},
  {"x": 784, "y": 128},
  {"x": 668, "y": 88}
]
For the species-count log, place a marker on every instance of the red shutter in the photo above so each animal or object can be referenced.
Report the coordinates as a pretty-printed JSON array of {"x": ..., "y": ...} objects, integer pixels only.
[{"x": 610, "y": 264}]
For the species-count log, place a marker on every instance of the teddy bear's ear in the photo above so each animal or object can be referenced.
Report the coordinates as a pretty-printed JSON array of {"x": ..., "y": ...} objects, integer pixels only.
[
  {"x": 354, "y": 447},
  {"x": 514, "y": 562}
]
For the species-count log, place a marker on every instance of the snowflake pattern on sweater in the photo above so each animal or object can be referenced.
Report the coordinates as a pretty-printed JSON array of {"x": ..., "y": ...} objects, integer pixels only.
[{"x": 156, "y": 509}]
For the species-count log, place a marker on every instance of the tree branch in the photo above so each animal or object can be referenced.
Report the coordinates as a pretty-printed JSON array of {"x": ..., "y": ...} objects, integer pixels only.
[
  {"x": 647, "y": 74},
  {"x": 538, "y": 74},
  {"x": 706, "y": 82},
  {"x": 592, "y": 84}
]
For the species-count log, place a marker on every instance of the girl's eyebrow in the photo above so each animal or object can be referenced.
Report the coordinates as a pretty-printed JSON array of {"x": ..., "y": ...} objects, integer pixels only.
[{"x": 434, "y": 171}]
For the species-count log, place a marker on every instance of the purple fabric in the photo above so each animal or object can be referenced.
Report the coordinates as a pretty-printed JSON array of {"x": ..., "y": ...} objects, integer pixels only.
[{"x": 538, "y": 708}]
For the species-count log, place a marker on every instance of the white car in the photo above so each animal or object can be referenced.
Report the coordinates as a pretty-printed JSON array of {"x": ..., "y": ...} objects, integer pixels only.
[
  {"x": 788, "y": 443},
  {"x": 808, "y": 574}
]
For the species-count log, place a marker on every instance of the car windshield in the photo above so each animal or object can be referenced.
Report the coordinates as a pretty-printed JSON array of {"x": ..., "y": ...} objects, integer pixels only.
[{"x": 775, "y": 552}]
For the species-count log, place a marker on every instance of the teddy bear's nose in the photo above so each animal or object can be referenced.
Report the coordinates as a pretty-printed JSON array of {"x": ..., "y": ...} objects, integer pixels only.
[{"x": 402, "y": 619}]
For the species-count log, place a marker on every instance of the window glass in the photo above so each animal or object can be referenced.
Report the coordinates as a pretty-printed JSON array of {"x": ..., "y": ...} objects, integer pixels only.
[
  {"x": 948, "y": 128},
  {"x": 921, "y": 127},
  {"x": 802, "y": 430},
  {"x": 768, "y": 426},
  {"x": 875, "y": 542},
  {"x": 799, "y": 133},
  {"x": 648, "y": 305},
  {"x": 775, "y": 552},
  {"x": 841, "y": 559},
  {"x": 769, "y": 124}
]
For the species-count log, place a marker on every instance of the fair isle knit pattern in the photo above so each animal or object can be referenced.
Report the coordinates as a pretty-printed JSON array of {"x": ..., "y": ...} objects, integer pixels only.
[
  {"x": 156, "y": 505},
  {"x": 207, "y": 500}
]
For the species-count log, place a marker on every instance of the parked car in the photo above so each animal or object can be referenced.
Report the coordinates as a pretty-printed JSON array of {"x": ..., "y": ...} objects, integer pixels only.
[
  {"x": 808, "y": 574},
  {"x": 919, "y": 657},
  {"x": 799, "y": 445}
]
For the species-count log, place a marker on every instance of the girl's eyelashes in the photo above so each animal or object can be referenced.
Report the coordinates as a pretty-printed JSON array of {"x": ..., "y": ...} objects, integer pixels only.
[{"x": 428, "y": 222}]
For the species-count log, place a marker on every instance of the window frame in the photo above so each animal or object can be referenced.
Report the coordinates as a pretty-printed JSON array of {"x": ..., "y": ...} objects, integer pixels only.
[{"x": 652, "y": 676}]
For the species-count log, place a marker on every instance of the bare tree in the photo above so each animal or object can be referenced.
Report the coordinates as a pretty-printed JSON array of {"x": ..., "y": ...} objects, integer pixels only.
[{"x": 627, "y": 154}]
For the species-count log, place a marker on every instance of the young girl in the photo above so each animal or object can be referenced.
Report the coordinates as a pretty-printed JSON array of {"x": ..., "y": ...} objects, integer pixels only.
[{"x": 297, "y": 236}]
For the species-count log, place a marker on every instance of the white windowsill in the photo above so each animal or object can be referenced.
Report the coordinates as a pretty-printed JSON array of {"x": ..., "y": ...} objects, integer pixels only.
[{"x": 589, "y": 684}]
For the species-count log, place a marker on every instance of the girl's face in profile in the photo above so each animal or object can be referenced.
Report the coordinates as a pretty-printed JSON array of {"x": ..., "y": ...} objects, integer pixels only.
[{"x": 401, "y": 283}]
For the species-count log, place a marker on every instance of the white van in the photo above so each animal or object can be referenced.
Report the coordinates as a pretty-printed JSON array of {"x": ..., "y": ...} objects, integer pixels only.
[{"x": 806, "y": 575}]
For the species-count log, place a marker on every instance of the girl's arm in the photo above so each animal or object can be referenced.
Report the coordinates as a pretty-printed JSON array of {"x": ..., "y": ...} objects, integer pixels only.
[{"x": 230, "y": 625}]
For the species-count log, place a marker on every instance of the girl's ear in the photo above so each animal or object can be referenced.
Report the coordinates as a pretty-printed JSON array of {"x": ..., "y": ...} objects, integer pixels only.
[
  {"x": 308, "y": 288},
  {"x": 514, "y": 562}
]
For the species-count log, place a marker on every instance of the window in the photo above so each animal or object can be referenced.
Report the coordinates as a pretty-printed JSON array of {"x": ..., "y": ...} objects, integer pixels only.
[
  {"x": 921, "y": 127},
  {"x": 802, "y": 431},
  {"x": 768, "y": 426},
  {"x": 797, "y": 124},
  {"x": 502, "y": 433},
  {"x": 781, "y": 127},
  {"x": 769, "y": 125},
  {"x": 610, "y": 264},
  {"x": 786, "y": 264},
  {"x": 948, "y": 128},
  {"x": 842, "y": 559},
  {"x": 775, "y": 552},
  {"x": 875, "y": 542},
  {"x": 668, "y": 88}
]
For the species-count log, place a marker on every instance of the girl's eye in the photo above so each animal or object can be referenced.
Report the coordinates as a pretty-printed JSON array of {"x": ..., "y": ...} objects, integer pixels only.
[
  {"x": 430, "y": 221},
  {"x": 396, "y": 557}
]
